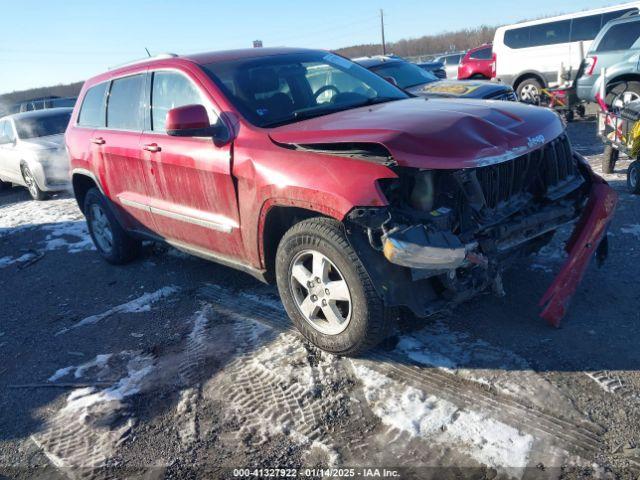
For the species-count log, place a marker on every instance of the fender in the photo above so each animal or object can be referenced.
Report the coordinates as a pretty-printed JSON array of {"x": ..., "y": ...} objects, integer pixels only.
[{"x": 527, "y": 73}]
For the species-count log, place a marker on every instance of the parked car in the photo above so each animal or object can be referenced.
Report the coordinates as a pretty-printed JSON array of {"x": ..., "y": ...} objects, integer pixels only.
[
  {"x": 451, "y": 62},
  {"x": 32, "y": 152},
  {"x": 477, "y": 63},
  {"x": 616, "y": 49},
  {"x": 357, "y": 205},
  {"x": 548, "y": 52},
  {"x": 416, "y": 81},
  {"x": 437, "y": 68},
  {"x": 43, "y": 102}
]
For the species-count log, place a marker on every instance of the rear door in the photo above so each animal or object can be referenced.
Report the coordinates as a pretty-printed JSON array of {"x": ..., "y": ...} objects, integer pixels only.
[
  {"x": 118, "y": 149},
  {"x": 193, "y": 196},
  {"x": 6, "y": 152}
]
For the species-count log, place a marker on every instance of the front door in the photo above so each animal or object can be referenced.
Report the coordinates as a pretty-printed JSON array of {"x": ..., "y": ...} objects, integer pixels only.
[{"x": 192, "y": 193}]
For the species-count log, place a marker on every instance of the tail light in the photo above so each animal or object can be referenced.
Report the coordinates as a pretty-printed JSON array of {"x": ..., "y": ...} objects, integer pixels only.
[
  {"x": 494, "y": 61},
  {"x": 590, "y": 65}
]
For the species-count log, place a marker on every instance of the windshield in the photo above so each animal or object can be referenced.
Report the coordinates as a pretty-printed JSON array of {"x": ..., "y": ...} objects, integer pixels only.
[
  {"x": 42, "y": 126},
  {"x": 280, "y": 89},
  {"x": 406, "y": 75}
]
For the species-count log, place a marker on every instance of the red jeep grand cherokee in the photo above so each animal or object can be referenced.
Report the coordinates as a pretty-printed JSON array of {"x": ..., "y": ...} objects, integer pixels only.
[{"x": 306, "y": 168}]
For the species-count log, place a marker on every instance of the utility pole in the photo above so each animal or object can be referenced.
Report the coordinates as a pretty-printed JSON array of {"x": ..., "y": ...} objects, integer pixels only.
[{"x": 384, "y": 45}]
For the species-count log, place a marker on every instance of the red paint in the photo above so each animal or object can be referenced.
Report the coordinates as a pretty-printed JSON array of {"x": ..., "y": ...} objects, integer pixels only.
[
  {"x": 581, "y": 247},
  {"x": 217, "y": 195},
  {"x": 189, "y": 117},
  {"x": 473, "y": 67}
]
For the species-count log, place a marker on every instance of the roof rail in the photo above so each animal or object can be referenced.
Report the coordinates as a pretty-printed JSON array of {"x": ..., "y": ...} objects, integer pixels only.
[
  {"x": 160, "y": 56},
  {"x": 630, "y": 13}
]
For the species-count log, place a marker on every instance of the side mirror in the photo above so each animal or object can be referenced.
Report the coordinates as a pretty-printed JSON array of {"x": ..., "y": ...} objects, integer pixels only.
[
  {"x": 191, "y": 121},
  {"x": 391, "y": 80}
]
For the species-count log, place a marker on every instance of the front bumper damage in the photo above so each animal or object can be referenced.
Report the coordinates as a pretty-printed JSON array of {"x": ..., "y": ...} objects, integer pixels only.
[{"x": 415, "y": 253}]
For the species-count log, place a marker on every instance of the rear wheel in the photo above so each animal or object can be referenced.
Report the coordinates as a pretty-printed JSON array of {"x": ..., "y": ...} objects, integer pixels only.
[
  {"x": 4, "y": 185},
  {"x": 326, "y": 290},
  {"x": 529, "y": 91},
  {"x": 623, "y": 93},
  {"x": 633, "y": 177},
  {"x": 609, "y": 159},
  {"x": 32, "y": 185},
  {"x": 113, "y": 243}
]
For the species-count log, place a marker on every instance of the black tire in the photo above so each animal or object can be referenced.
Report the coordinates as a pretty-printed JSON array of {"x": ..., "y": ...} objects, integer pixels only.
[
  {"x": 526, "y": 89},
  {"x": 569, "y": 116},
  {"x": 633, "y": 177},
  {"x": 369, "y": 320},
  {"x": 32, "y": 186},
  {"x": 4, "y": 185},
  {"x": 609, "y": 159},
  {"x": 124, "y": 248},
  {"x": 619, "y": 92}
]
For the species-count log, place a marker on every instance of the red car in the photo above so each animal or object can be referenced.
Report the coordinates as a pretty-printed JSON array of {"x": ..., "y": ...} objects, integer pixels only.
[
  {"x": 479, "y": 62},
  {"x": 303, "y": 167}
]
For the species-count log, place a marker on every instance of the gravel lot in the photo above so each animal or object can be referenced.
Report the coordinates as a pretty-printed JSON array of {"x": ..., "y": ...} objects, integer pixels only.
[{"x": 173, "y": 367}]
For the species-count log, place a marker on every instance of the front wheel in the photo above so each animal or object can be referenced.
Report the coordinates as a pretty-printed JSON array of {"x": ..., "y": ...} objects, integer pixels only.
[
  {"x": 32, "y": 185},
  {"x": 326, "y": 290},
  {"x": 113, "y": 243},
  {"x": 529, "y": 91},
  {"x": 633, "y": 177}
]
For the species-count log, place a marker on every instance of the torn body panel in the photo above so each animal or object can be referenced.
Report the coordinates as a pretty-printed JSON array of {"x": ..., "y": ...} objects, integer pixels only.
[{"x": 450, "y": 237}]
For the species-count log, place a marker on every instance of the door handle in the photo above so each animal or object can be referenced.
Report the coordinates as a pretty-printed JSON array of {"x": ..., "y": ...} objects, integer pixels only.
[
  {"x": 98, "y": 141},
  {"x": 152, "y": 147}
]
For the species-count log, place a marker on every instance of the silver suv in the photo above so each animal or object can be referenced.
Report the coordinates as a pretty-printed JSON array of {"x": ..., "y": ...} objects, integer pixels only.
[
  {"x": 32, "y": 151},
  {"x": 617, "y": 50}
]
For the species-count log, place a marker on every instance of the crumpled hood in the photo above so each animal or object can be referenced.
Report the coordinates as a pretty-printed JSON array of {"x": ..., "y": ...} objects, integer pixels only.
[
  {"x": 43, "y": 143},
  {"x": 433, "y": 133},
  {"x": 460, "y": 88}
]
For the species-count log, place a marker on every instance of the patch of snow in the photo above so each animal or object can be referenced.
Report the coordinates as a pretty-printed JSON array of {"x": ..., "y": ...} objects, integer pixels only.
[
  {"x": 6, "y": 261},
  {"x": 140, "y": 304},
  {"x": 631, "y": 230},
  {"x": 419, "y": 414}
]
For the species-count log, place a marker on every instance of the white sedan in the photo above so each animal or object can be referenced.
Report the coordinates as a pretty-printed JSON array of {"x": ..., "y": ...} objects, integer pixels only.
[{"x": 32, "y": 152}]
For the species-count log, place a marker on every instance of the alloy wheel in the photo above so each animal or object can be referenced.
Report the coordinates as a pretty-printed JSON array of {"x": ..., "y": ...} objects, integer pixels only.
[
  {"x": 320, "y": 292},
  {"x": 30, "y": 181},
  {"x": 101, "y": 228},
  {"x": 530, "y": 94},
  {"x": 623, "y": 98}
]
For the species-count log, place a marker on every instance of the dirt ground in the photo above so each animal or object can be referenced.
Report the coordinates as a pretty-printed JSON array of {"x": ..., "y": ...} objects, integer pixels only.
[{"x": 172, "y": 367}]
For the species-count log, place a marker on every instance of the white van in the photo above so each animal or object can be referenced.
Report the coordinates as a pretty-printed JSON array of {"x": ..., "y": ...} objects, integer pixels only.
[{"x": 548, "y": 52}]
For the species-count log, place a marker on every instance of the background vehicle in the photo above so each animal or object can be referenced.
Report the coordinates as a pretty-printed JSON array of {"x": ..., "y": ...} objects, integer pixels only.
[
  {"x": 451, "y": 62},
  {"x": 616, "y": 49},
  {"x": 44, "y": 102},
  {"x": 416, "y": 81},
  {"x": 351, "y": 201},
  {"x": 437, "y": 68},
  {"x": 32, "y": 151},
  {"x": 548, "y": 52},
  {"x": 477, "y": 63}
]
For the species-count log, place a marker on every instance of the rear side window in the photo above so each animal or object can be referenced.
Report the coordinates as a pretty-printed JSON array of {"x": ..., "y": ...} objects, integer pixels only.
[
  {"x": 170, "y": 90},
  {"x": 482, "y": 54},
  {"x": 124, "y": 110},
  {"x": 619, "y": 37},
  {"x": 585, "y": 28},
  {"x": 92, "y": 110},
  {"x": 517, "y": 37},
  {"x": 549, "y": 33}
]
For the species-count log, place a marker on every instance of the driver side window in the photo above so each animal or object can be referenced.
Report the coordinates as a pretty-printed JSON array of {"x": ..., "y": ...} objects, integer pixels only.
[
  {"x": 326, "y": 82},
  {"x": 6, "y": 132},
  {"x": 171, "y": 90}
]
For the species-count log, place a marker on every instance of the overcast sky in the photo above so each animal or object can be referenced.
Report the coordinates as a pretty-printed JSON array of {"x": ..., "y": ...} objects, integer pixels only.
[{"x": 50, "y": 42}]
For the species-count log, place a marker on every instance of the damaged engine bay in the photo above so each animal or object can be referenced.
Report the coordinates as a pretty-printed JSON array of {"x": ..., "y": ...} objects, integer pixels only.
[{"x": 447, "y": 235}]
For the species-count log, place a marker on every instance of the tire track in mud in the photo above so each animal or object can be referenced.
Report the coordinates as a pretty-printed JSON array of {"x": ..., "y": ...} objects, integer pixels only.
[{"x": 578, "y": 437}]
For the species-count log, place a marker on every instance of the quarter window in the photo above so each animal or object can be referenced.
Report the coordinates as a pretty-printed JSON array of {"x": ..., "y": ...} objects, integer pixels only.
[
  {"x": 170, "y": 90},
  {"x": 92, "y": 110},
  {"x": 620, "y": 37},
  {"x": 124, "y": 110},
  {"x": 517, "y": 37}
]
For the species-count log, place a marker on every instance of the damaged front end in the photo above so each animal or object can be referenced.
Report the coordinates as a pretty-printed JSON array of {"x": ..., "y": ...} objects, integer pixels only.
[{"x": 447, "y": 235}]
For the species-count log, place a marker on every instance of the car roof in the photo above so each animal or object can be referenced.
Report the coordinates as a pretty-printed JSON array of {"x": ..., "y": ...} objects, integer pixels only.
[
  {"x": 46, "y": 112},
  {"x": 634, "y": 17},
  {"x": 224, "y": 55},
  {"x": 374, "y": 61}
]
